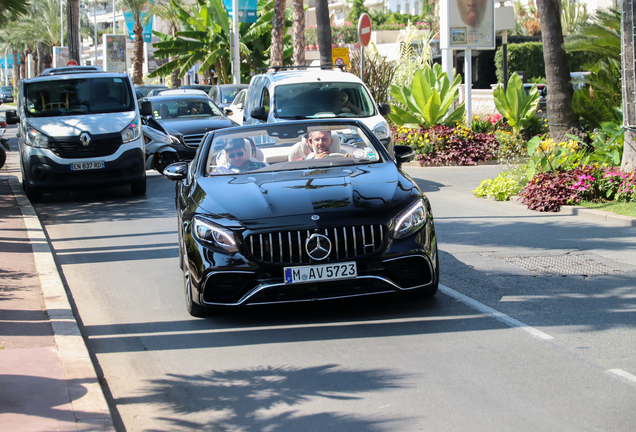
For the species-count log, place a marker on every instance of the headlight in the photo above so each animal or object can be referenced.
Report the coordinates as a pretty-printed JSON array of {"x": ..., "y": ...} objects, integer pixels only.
[
  {"x": 131, "y": 132},
  {"x": 215, "y": 235},
  {"x": 35, "y": 138},
  {"x": 410, "y": 220},
  {"x": 382, "y": 130}
]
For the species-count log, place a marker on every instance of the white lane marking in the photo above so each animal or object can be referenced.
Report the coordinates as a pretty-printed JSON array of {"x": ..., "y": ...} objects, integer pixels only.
[
  {"x": 499, "y": 316},
  {"x": 622, "y": 375}
]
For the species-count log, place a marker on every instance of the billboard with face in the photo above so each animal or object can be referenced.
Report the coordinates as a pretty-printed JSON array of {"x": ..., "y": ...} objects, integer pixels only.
[{"x": 471, "y": 24}]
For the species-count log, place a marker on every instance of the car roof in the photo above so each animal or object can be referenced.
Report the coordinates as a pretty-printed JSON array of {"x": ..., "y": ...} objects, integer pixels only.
[
  {"x": 71, "y": 70},
  {"x": 309, "y": 75},
  {"x": 76, "y": 75},
  {"x": 175, "y": 92},
  {"x": 187, "y": 96},
  {"x": 151, "y": 86}
]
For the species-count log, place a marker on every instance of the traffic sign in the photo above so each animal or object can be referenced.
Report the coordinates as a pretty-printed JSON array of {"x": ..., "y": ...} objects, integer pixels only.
[
  {"x": 364, "y": 29},
  {"x": 340, "y": 57},
  {"x": 71, "y": 62}
]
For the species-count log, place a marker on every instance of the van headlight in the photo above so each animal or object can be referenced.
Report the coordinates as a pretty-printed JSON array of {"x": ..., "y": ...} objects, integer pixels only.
[
  {"x": 410, "y": 220},
  {"x": 382, "y": 131},
  {"x": 131, "y": 132},
  {"x": 35, "y": 138},
  {"x": 214, "y": 235}
]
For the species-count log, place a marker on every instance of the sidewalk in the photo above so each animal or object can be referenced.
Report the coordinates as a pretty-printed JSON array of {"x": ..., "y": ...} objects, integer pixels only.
[{"x": 47, "y": 379}]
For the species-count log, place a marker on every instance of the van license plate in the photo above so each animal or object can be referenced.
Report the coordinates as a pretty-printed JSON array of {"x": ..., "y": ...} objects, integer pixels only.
[
  {"x": 345, "y": 270},
  {"x": 87, "y": 166}
]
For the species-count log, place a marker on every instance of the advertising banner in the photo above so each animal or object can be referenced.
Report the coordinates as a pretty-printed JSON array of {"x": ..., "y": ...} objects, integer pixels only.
[
  {"x": 471, "y": 24},
  {"x": 247, "y": 10},
  {"x": 60, "y": 56},
  {"x": 114, "y": 52},
  {"x": 130, "y": 22}
]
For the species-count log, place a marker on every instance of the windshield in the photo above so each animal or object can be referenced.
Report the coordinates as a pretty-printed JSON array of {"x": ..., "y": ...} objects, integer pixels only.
[
  {"x": 322, "y": 100},
  {"x": 6, "y": 89},
  {"x": 228, "y": 94},
  {"x": 66, "y": 97},
  {"x": 184, "y": 108},
  {"x": 285, "y": 147}
]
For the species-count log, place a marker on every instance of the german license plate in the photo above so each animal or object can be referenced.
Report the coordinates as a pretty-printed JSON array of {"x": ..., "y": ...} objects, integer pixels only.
[
  {"x": 88, "y": 166},
  {"x": 322, "y": 272}
]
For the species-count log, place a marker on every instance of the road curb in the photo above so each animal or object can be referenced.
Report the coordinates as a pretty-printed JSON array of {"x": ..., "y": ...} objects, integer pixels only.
[
  {"x": 87, "y": 398},
  {"x": 590, "y": 214}
]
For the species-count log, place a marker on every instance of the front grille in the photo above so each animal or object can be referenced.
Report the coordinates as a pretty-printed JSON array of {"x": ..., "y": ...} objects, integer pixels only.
[
  {"x": 288, "y": 247},
  {"x": 193, "y": 140},
  {"x": 72, "y": 148}
]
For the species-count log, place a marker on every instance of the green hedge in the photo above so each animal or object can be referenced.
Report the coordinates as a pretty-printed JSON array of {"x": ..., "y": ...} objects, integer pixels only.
[{"x": 528, "y": 56}]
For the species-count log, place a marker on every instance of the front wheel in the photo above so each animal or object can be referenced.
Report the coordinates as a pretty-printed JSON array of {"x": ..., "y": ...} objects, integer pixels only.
[
  {"x": 3, "y": 157},
  {"x": 162, "y": 160},
  {"x": 138, "y": 188},
  {"x": 32, "y": 193},
  {"x": 194, "y": 309}
]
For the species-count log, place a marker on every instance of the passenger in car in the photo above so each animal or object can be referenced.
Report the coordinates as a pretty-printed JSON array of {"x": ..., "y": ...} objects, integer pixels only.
[
  {"x": 343, "y": 105},
  {"x": 238, "y": 156},
  {"x": 300, "y": 150}
]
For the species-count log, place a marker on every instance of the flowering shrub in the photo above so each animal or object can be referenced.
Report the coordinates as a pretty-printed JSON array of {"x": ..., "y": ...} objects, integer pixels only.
[
  {"x": 505, "y": 185},
  {"x": 547, "y": 155},
  {"x": 345, "y": 33},
  {"x": 606, "y": 184},
  {"x": 512, "y": 147},
  {"x": 548, "y": 191},
  {"x": 490, "y": 123},
  {"x": 445, "y": 145}
]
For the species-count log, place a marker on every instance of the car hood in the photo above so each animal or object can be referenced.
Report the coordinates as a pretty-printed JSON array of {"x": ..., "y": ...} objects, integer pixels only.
[
  {"x": 194, "y": 126},
  {"x": 96, "y": 124},
  {"x": 354, "y": 190}
]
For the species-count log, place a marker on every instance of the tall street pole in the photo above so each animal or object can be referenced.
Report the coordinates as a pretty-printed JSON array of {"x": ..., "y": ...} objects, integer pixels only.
[
  {"x": 95, "y": 25},
  {"x": 236, "y": 63}
]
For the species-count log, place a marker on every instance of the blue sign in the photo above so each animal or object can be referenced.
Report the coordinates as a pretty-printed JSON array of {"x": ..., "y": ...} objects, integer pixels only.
[
  {"x": 9, "y": 61},
  {"x": 247, "y": 10},
  {"x": 130, "y": 22}
]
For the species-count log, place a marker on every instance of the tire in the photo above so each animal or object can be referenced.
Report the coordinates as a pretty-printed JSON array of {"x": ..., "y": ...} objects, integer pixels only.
[
  {"x": 3, "y": 157},
  {"x": 33, "y": 194},
  {"x": 138, "y": 188},
  {"x": 194, "y": 309},
  {"x": 164, "y": 159}
]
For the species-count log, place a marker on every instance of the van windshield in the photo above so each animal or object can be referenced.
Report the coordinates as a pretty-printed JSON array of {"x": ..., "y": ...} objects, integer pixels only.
[
  {"x": 67, "y": 97},
  {"x": 322, "y": 100}
]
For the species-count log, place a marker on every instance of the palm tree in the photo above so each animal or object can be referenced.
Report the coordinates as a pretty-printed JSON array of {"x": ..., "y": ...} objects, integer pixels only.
[
  {"x": 168, "y": 12},
  {"x": 135, "y": 8},
  {"x": 562, "y": 119},
  {"x": 628, "y": 58},
  {"x": 298, "y": 37},
  {"x": 323, "y": 32},
  {"x": 16, "y": 7},
  {"x": 601, "y": 36},
  {"x": 278, "y": 33},
  {"x": 72, "y": 32}
]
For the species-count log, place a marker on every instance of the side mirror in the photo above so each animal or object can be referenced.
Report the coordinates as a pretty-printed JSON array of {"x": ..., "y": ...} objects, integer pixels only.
[
  {"x": 385, "y": 109},
  {"x": 176, "y": 171},
  {"x": 259, "y": 113},
  {"x": 12, "y": 117},
  {"x": 403, "y": 154},
  {"x": 146, "y": 108},
  {"x": 228, "y": 111}
]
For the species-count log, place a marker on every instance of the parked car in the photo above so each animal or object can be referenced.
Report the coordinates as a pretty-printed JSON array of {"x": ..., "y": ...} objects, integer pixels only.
[
  {"x": 224, "y": 94},
  {"x": 286, "y": 95},
  {"x": 144, "y": 89},
  {"x": 156, "y": 91},
  {"x": 188, "y": 125},
  {"x": 314, "y": 229},
  {"x": 6, "y": 94},
  {"x": 179, "y": 91},
  {"x": 204, "y": 87},
  {"x": 235, "y": 110},
  {"x": 543, "y": 95}
]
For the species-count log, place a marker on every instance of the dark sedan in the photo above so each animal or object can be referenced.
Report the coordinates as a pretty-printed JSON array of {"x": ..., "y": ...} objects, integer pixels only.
[
  {"x": 278, "y": 228},
  {"x": 224, "y": 94},
  {"x": 188, "y": 118}
]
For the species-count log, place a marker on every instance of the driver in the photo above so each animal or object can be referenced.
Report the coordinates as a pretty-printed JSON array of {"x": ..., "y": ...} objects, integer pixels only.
[
  {"x": 343, "y": 105},
  {"x": 321, "y": 142}
]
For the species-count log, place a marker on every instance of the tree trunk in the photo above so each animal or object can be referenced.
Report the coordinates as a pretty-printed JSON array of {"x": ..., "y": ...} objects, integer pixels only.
[
  {"x": 41, "y": 56},
  {"x": 323, "y": 33},
  {"x": 175, "y": 81},
  {"x": 298, "y": 35},
  {"x": 628, "y": 37},
  {"x": 17, "y": 76},
  {"x": 278, "y": 33},
  {"x": 561, "y": 117},
  {"x": 72, "y": 19},
  {"x": 138, "y": 61}
]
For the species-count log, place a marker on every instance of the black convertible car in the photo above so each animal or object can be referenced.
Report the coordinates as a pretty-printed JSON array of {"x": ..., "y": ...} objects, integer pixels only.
[{"x": 281, "y": 228}]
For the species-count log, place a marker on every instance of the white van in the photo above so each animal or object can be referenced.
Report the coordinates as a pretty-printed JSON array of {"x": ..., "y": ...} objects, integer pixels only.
[
  {"x": 79, "y": 127},
  {"x": 284, "y": 95}
]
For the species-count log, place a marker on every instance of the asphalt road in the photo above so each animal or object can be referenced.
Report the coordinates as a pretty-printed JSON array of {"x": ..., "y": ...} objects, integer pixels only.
[{"x": 500, "y": 348}]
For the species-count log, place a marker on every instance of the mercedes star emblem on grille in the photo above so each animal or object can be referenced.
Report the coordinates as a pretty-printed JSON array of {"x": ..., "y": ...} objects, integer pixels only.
[
  {"x": 85, "y": 139},
  {"x": 315, "y": 217},
  {"x": 318, "y": 247}
]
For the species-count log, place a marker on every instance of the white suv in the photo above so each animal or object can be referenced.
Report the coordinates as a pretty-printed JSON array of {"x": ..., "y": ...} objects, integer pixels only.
[{"x": 286, "y": 95}]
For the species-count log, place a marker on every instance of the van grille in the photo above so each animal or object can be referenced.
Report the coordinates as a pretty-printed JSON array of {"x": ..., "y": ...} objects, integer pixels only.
[
  {"x": 288, "y": 247},
  {"x": 72, "y": 148}
]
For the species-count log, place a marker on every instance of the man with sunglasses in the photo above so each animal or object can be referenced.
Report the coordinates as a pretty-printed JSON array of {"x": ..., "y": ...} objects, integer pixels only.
[
  {"x": 238, "y": 159},
  {"x": 343, "y": 105}
]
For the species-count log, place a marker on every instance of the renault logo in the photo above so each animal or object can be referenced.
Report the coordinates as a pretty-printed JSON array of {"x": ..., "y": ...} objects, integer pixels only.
[
  {"x": 85, "y": 139},
  {"x": 318, "y": 247}
]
